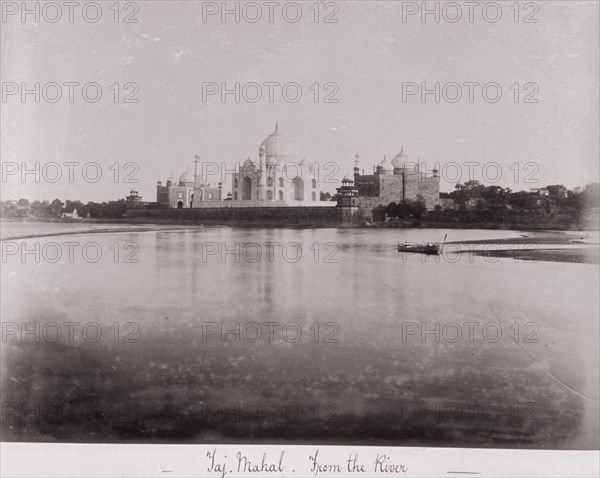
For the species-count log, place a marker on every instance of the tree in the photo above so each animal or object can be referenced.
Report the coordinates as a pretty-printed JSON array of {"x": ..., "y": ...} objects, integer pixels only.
[
  {"x": 325, "y": 196},
  {"x": 70, "y": 206},
  {"x": 520, "y": 200},
  {"x": 115, "y": 209},
  {"x": 418, "y": 207},
  {"x": 111, "y": 209},
  {"x": 55, "y": 207},
  {"x": 391, "y": 210},
  {"x": 463, "y": 192},
  {"x": 407, "y": 209},
  {"x": 496, "y": 197}
]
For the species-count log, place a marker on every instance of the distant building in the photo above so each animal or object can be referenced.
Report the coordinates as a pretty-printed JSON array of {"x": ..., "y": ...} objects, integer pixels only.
[
  {"x": 70, "y": 215},
  {"x": 188, "y": 190},
  {"x": 347, "y": 194},
  {"x": 393, "y": 181},
  {"x": 134, "y": 201}
]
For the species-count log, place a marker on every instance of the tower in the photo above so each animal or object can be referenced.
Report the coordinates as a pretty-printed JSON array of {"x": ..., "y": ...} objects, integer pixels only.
[
  {"x": 197, "y": 172},
  {"x": 262, "y": 173},
  {"x": 347, "y": 194},
  {"x": 356, "y": 168}
]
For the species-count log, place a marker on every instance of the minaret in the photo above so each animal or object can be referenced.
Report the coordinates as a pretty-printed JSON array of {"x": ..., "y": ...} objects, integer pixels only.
[
  {"x": 197, "y": 172},
  {"x": 356, "y": 169},
  {"x": 262, "y": 173},
  {"x": 198, "y": 194}
]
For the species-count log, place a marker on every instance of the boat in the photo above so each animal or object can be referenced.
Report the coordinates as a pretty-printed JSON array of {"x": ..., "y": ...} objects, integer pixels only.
[{"x": 428, "y": 248}]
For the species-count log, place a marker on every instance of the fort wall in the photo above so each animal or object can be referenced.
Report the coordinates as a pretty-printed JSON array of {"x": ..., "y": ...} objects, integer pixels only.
[{"x": 280, "y": 216}]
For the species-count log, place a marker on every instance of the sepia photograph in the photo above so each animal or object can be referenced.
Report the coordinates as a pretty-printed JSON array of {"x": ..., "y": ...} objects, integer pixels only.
[{"x": 305, "y": 239}]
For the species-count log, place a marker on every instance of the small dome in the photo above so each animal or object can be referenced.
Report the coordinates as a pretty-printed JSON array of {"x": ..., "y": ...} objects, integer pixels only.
[
  {"x": 385, "y": 165},
  {"x": 303, "y": 163},
  {"x": 348, "y": 178},
  {"x": 186, "y": 176},
  {"x": 277, "y": 148}
]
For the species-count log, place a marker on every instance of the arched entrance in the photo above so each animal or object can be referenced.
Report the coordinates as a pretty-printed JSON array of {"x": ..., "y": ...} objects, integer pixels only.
[
  {"x": 247, "y": 188},
  {"x": 298, "y": 189},
  {"x": 179, "y": 204}
]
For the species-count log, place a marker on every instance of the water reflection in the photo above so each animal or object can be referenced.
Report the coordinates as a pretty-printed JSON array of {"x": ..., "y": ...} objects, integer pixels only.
[{"x": 385, "y": 374}]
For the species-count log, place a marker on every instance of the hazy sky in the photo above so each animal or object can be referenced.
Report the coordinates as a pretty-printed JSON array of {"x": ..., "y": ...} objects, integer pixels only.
[{"x": 369, "y": 53}]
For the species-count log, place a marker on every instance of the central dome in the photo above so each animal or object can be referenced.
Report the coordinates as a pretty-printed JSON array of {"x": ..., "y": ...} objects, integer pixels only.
[{"x": 277, "y": 148}]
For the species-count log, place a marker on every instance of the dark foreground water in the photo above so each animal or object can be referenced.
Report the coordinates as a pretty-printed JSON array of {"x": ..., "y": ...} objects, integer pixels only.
[{"x": 295, "y": 336}]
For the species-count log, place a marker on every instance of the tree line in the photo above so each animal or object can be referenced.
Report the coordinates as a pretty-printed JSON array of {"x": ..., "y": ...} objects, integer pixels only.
[
  {"x": 55, "y": 208},
  {"x": 477, "y": 202}
]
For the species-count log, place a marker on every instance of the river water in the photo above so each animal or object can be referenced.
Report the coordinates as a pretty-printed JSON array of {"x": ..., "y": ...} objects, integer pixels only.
[{"x": 218, "y": 334}]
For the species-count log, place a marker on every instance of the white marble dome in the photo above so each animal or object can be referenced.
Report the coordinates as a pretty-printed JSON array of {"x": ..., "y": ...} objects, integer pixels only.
[{"x": 277, "y": 148}]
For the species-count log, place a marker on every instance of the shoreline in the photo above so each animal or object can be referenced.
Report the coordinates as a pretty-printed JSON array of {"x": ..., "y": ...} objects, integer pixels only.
[
  {"x": 556, "y": 245},
  {"x": 404, "y": 224},
  {"x": 94, "y": 231}
]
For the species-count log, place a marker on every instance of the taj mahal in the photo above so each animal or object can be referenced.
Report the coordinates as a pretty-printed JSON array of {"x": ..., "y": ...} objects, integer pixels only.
[{"x": 277, "y": 178}]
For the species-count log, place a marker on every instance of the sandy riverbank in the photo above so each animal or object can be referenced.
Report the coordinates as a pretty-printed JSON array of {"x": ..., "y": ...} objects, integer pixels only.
[
  {"x": 117, "y": 228},
  {"x": 553, "y": 246}
]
